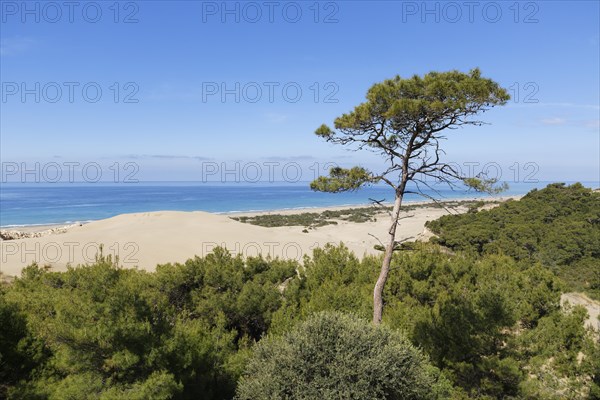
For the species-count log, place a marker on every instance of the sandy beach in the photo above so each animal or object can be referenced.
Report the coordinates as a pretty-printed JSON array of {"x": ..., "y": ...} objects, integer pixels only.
[{"x": 144, "y": 240}]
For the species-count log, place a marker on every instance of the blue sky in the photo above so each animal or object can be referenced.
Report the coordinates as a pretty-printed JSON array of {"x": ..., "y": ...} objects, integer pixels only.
[{"x": 175, "y": 57}]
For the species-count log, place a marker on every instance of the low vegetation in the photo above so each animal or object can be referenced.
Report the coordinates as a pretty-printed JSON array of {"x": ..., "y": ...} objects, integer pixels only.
[
  {"x": 337, "y": 356},
  {"x": 467, "y": 324},
  {"x": 311, "y": 220},
  {"x": 558, "y": 226}
]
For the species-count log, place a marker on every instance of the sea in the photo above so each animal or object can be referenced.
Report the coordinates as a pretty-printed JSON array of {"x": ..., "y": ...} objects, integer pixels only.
[{"x": 26, "y": 204}]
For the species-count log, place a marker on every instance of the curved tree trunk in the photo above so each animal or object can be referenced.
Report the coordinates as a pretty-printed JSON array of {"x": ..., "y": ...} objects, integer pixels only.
[{"x": 387, "y": 259}]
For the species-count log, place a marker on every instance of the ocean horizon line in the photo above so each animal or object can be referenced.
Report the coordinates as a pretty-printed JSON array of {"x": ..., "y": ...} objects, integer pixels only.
[{"x": 255, "y": 184}]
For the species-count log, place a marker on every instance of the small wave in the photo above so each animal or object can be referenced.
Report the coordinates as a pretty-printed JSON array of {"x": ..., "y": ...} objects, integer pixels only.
[
  {"x": 66, "y": 205},
  {"x": 46, "y": 224}
]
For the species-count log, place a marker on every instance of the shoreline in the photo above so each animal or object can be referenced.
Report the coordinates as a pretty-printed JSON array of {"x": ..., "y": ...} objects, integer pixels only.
[
  {"x": 35, "y": 228},
  {"x": 40, "y": 227},
  {"x": 147, "y": 239}
]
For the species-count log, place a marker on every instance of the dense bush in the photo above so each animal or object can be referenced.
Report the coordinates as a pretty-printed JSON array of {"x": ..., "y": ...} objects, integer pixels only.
[
  {"x": 17, "y": 355},
  {"x": 560, "y": 357},
  {"x": 108, "y": 333},
  {"x": 464, "y": 311},
  {"x": 338, "y": 356},
  {"x": 558, "y": 226},
  {"x": 491, "y": 324}
]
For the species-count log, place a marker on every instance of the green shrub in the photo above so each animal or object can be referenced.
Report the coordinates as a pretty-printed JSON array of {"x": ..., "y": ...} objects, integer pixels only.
[
  {"x": 339, "y": 356},
  {"x": 558, "y": 226}
]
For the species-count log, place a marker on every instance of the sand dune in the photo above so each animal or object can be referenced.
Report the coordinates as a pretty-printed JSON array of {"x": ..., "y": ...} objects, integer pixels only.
[
  {"x": 147, "y": 239},
  {"x": 592, "y": 307}
]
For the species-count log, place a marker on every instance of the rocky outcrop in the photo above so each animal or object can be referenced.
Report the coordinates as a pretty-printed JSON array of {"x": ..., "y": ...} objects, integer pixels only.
[{"x": 16, "y": 235}]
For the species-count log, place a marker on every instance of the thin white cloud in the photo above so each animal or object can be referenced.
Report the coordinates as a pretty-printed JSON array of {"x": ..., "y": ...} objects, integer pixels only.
[
  {"x": 15, "y": 45},
  {"x": 165, "y": 157},
  {"x": 594, "y": 124},
  {"x": 553, "y": 121},
  {"x": 276, "y": 118},
  {"x": 289, "y": 158},
  {"x": 558, "y": 105},
  {"x": 556, "y": 121}
]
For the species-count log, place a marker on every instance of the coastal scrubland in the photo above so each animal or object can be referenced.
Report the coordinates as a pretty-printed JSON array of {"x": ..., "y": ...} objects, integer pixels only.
[
  {"x": 311, "y": 220},
  {"x": 475, "y": 313},
  {"x": 558, "y": 227}
]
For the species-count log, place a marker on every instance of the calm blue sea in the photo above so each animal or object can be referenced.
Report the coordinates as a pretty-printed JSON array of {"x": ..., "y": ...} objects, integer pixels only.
[{"x": 40, "y": 204}]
